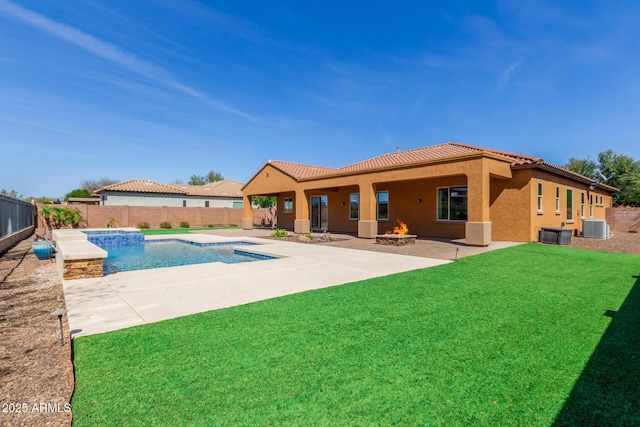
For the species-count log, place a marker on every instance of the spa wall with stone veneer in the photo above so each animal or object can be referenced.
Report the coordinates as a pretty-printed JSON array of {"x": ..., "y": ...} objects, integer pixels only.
[{"x": 82, "y": 269}]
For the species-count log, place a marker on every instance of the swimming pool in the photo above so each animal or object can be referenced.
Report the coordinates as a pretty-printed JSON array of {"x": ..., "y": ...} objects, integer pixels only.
[{"x": 172, "y": 252}]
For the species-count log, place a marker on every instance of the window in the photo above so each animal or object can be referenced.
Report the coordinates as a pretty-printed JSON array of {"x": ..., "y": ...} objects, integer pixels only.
[
  {"x": 206, "y": 203},
  {"x": 539, "y": 197},
  {"x": 237, "y": 205},
  {"x": 569, "y": 205},
  {"x": 354, "y": 206},
  {"x": 557, "y": 200},
  {"x": 288, "y": 205},
  {"x": 582, "y": 205},
  {"x": 452, "y": 204},
  {"x": 184, "y": 203},
  {"x": 382, "y": 204},
  {"x": 590, "y": 205}
]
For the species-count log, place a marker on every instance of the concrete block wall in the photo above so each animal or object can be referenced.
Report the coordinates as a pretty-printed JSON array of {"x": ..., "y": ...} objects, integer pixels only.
[
  {"x": 97, "y": 216},
  {"x": 624, "y": 220}
]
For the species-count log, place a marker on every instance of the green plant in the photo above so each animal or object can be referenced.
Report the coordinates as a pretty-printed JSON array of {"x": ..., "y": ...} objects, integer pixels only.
[
  {"x": 55, "y": 217},
  {"x": 111, "y": 222},
  {"x": 210, "y": 225},
  {"x": 184, "y": 224},
  {"x": 233, "y": 225},
  {"x": 143, "y": 225},
  {"x": 279, "y": 232},
  {"x": 165, "y": 224}
]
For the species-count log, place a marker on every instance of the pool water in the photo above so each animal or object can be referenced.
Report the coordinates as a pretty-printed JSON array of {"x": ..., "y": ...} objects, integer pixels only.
[{"x": 160, "y": 254}]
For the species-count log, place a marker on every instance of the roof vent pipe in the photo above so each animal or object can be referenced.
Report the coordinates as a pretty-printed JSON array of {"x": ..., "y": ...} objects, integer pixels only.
[{"x": 397, "y": 150}]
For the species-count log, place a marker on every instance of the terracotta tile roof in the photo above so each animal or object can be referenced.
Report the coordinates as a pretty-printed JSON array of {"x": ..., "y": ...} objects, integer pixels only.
[
  {"x": 141, "y": 186},
  {"x": 300, "y": 170},
  {"x": 423, "y": 154},
  {"x": 224, "y": 188},
  {"x": 415, "y": 155}
]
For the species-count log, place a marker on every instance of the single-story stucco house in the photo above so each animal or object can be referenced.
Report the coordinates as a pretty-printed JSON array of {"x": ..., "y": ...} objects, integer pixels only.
[
  {"x": 449, "y": 190},
  {"x": 143, "y": 192}
]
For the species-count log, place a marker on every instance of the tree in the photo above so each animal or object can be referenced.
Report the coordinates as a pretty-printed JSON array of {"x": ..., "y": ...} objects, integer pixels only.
[
  {"x": 13, "y": 193},
  {"x": 92, "y": 185},
  {"x": 197, "y": 180},
  {"x": 263, "y": 201},
  {"x": 205, "y": 179},
  {"x": 623, "y": 172},
  {"x": 585, "y": 167},
  {"x": 78, "y": 192},
  {"x": 214, "y": 176},
  {"x": 270, "y": 203},
  {"x": 618, "y": 170}
]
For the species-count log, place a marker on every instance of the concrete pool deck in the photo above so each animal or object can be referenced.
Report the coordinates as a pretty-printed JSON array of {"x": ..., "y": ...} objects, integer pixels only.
[{"x": 133, "y": 298}]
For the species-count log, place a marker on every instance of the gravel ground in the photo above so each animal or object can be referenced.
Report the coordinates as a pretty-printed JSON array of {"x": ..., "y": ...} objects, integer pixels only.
[
  {"x": 37, "y": 373},
  {"x": 628, "y": 243}
]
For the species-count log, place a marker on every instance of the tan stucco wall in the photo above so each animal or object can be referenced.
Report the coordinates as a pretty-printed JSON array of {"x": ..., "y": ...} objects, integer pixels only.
[
  {"x": 285, "y": 220},
  {"x": 511, "y": 207},
  {"x": 552, "y": 218},
  {"x": 420, "y": 217}
]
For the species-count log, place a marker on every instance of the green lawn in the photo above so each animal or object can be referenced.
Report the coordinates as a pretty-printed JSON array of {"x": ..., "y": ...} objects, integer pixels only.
[
  {"x": 156, "y": 231},
  {"x": 531, "y": 335}
]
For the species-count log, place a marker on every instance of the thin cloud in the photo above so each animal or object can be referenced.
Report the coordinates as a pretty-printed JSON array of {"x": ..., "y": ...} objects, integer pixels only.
[
  {"x": 113, "y": 54},
  {"x": 508, "y": 73}
]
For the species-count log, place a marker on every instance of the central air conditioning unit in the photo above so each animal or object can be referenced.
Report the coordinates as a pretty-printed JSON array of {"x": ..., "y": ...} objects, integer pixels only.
[{"x": 595, "y": 228}]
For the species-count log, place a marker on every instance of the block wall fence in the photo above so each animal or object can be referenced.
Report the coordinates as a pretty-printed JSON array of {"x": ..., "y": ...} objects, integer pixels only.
[
  {"x": 624, "y": 220},
  {"x": 97, "y": 216}
]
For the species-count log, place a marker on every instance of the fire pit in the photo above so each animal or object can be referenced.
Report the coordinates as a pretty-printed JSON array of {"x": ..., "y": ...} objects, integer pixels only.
[{"x": 399, "y": 237}]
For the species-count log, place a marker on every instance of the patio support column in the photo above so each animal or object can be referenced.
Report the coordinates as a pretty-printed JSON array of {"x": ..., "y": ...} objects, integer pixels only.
[
  {"x": 478, "y": 225},
  {"x": 302, "y": 223},
  {"x": 247, "y": 212},
  {"x": 368, "y": 223}
]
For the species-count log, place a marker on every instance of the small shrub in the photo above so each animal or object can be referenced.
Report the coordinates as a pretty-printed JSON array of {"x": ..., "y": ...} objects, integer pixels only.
[
  {"x": 165, "y": 224},
  {"x": 279, "y": 232},
  {"x": 143, "y": 224},
  {"x": 111, "y": 222},
  {"x": 184, "y": 224},
  {"x": 233, "y": 225},
  {"x": 210, "y": 225}
]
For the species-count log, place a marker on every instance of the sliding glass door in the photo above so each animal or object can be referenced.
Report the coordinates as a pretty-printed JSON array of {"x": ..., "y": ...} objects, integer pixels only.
[{"x": 319, "y": 213}]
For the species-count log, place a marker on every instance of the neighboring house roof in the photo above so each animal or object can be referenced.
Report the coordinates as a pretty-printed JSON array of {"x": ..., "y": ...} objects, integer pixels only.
[
  {"x": 224, "y": 188},
  {"x": 424, "y": 154}
]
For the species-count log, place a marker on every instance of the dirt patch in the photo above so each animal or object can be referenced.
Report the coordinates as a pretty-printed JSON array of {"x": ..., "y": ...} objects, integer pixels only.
[
  {"x": 628, "y": 243},
  {"x": 37, "y": 373}
]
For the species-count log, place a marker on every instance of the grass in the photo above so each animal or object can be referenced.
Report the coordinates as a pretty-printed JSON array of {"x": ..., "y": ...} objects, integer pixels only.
[
  {"x": 157, "y": 231},
  {"x": 531, "y": 335}
]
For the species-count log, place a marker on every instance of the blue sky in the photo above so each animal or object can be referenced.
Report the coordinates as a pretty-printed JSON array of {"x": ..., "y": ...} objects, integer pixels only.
[{"x": 166, "y": 89}]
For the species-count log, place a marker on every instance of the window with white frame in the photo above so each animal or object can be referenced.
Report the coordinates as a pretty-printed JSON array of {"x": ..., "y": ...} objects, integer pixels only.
[
  {"x": 354, "y": 206},
  {"x": 558, "y": 200},
  {"x": 582, "y": 204},
  {"x": 590, "y": 205},
  {"x": 452, "y": 204},
  {"x": 288, "y": 205},
  {"x": 382, "y": 205},
  {"x": 539, "y": 197},
  {"x": 569, "y": 205}
]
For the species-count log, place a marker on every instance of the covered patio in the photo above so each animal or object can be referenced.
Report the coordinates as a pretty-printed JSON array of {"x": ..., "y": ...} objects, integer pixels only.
[{"x": 447, "y": 196}]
